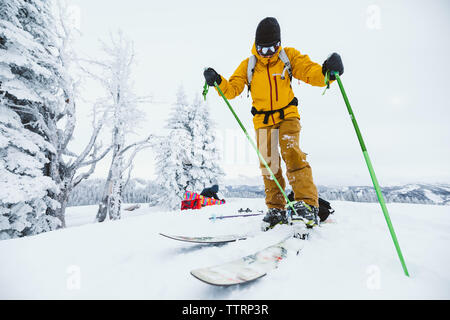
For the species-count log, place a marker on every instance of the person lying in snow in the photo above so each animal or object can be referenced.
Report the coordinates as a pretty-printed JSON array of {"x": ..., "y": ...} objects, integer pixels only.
[
  {"x": 211, "y": 192},
  {"x": 276, "y": 118}
]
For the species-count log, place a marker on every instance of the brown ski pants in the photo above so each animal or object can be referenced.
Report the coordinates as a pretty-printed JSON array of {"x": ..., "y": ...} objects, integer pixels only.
[{"x": 285, "y": 135}]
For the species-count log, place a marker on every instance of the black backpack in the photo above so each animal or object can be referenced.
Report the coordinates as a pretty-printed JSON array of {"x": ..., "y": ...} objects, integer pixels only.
[{"x": 325, "y": 208}]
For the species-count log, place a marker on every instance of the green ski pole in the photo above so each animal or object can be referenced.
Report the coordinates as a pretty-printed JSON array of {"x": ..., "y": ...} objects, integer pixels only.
[
  {"x": 372, "y": 175},
  {"x": 290, "y": 204}
]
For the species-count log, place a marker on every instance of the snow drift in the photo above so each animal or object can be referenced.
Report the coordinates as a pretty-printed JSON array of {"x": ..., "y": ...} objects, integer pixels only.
[{"x": 351, "y": 257}]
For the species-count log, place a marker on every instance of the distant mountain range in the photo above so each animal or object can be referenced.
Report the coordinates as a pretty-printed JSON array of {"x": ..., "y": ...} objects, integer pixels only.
[
  {"x": 144, "y": 191},
  {"x": 411, "y": 193}
]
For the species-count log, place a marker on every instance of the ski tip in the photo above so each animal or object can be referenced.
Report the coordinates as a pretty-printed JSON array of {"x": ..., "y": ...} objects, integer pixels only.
[
  {"x": 212, "y": 240},
  {"x": 223, "y": 282}
]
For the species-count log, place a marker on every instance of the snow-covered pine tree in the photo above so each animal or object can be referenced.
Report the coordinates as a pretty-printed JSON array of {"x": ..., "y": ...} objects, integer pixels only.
[
  {"x": 172, "y": 168},
  {"x": 180, "y": 115},
  {"x": 27, "y": 72},
  {"x": 173, "y": 156},
  {"x": 35, "y": 83},
  {"x": 187, "y": 159},
  {"x": 23, "y": 187},
  {"x": 205, "y": 170}
]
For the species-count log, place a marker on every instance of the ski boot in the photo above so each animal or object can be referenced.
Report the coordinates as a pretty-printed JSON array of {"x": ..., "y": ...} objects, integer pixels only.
[
  {"x": 273, "y": 217},
  {"x": 305, "y": 213}
]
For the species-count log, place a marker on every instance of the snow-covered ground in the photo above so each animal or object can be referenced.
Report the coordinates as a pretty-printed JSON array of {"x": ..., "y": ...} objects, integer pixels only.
[{"x": 351, "y": 257}]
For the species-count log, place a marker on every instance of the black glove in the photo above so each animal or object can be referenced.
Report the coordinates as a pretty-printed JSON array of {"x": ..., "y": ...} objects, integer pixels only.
[
  {"x": 212, "y": 76},
  {"x": 333, "y": 63}
]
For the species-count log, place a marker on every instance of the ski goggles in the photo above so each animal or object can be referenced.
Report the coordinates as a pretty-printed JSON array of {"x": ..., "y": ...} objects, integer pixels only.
[{"x": 268, "y": 51}]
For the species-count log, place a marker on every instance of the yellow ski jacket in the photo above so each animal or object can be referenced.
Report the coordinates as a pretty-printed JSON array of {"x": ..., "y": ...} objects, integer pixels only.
[{"x": 270, "y": 92}]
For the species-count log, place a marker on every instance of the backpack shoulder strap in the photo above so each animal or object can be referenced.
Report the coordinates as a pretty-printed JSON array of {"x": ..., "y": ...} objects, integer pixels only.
[
  {"x": 287, "y": 64},
  {"x": 250, "y": 71},
  {"x": 252, "y": 63}
]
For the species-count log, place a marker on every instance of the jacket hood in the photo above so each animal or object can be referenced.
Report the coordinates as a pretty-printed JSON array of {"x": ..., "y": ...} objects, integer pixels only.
[
  {"x": 265, "y": 60},
  {"x": 215, "y": 188}
]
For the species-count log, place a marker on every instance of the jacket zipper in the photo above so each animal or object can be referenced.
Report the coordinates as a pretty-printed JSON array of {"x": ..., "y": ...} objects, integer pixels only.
[
  {"x": 270, "y": 84},
  {"x": 276, "y": 87}
]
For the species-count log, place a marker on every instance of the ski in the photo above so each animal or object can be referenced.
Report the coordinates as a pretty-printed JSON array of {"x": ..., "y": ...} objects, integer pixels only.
[
  {"x": 253, "y": 266},
  {"x": 208, "y": 239},
  {"x": 212, "y": 239},
  {"x": 235, "y": 216}
]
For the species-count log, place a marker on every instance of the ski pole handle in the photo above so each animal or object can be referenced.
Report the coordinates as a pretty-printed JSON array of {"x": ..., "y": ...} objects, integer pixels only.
[
  {"x": 205, "y": 90},
  {"x": 327, "y": 82}
]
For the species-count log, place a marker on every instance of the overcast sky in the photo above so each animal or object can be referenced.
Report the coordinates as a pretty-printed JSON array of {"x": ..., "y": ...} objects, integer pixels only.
[{"x": 395, "y": 55}]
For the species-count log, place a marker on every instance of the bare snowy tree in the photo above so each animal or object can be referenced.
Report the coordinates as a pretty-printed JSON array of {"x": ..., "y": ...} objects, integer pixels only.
[
  {"x": 67, "y": 171},
  {"x": 114, "y": 73}
]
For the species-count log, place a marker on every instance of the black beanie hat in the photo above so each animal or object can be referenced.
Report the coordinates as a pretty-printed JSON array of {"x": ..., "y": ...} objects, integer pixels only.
[{"x": 267, "y": 32}]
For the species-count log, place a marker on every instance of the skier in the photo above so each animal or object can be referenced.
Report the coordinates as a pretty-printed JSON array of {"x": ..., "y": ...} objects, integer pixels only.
[
  {"x": 211, "y": 192},
  {"x": 276, "y": 118}
]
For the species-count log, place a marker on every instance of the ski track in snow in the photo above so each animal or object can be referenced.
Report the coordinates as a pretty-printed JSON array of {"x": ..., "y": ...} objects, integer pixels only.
[{"x": 350, "y": 258}]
